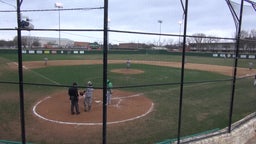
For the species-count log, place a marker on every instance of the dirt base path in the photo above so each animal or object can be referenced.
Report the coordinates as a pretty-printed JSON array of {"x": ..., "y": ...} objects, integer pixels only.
[{"x": 225, "y": 70}]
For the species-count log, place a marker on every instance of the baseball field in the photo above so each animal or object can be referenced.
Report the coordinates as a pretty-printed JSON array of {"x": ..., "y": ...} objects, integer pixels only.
[{"x": 145, "y": 100}]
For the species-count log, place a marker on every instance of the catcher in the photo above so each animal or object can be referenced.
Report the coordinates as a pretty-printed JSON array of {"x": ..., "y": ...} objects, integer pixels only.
[{"x": 88, "y": 94}]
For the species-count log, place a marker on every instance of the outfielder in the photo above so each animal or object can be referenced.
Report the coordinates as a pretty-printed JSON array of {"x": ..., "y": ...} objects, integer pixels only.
[{"x": 88, "y": 97}]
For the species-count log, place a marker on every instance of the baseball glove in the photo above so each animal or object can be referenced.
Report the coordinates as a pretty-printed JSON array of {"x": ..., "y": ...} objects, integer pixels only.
[{"x": 81, "y": 93}]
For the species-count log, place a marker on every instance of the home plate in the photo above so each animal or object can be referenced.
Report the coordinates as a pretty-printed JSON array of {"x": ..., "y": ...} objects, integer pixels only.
[{"x": 97, "y": 101}]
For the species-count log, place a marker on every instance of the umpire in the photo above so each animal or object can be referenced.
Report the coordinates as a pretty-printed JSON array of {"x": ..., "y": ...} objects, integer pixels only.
[{"x": 73, "y": 96}]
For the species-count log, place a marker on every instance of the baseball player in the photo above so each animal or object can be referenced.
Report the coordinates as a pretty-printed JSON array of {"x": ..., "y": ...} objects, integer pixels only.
[
  {"x": 88, "y": 97},
  {"x": 45, "y": 61},
  {"x": 109, "y": 91},
  {"x": 250, "y": 65},
  {"x": 128, "y": 64},
  {"x": 254, "y": 81}
]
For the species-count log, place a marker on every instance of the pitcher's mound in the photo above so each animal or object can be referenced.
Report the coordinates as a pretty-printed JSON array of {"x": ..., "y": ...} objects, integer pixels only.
[
  {"x": 127, "y": 71},
  {"x": 125, "y": 106}
]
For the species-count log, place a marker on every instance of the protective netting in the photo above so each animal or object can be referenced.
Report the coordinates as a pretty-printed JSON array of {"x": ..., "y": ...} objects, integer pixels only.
[
  {"x": 172, "y": 77},
  {"x": 249, "y": 14}
]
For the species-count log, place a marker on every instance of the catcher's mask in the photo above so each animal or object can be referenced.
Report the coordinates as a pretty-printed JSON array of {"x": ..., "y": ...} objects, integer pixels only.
[{"x": 74, "y": 84}]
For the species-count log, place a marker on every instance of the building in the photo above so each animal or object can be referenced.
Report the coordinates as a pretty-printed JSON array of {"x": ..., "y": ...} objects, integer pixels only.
[
  {"x": 212, "y": 47},
  {"x": 47, "y": 42},
  {"x": 245, "y": 47},
  {"x": 130, "y": 45},
  {"x": 83, "y": 45}
]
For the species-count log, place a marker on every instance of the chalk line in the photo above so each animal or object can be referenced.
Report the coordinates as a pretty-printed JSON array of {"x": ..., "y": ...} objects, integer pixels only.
[
  {"x": 26, "y": 68},
  {"x": 88, "y": 123}
]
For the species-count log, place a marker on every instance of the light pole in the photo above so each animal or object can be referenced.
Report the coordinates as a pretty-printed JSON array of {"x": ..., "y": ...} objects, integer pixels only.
[
  {"x": 59, "y": 6},
  {"x": 180, "y": 23},
  {"x": 160, "y": 23}
]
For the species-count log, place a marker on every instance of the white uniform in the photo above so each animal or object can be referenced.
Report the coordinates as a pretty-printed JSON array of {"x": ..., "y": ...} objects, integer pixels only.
[
  {"x": 128, "y": 63},
  {"x": 250, "y": 65},
  {"x": 45, "y": 61},
  {"x": 254, "y": 81},
  {"x": 109, "y": 96},
  {"x": 109, "y": 92},
  {"x": 88, "y": 98}
]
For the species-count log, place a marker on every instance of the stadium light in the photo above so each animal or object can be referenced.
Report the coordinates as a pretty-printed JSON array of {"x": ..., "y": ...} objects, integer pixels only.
[
  {"x": 59, "y": 6},
  {"x": 160, "y": 23}
]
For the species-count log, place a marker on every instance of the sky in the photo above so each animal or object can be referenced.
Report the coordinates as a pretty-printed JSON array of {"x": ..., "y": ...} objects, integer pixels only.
[{"x": 211, "y": 17}]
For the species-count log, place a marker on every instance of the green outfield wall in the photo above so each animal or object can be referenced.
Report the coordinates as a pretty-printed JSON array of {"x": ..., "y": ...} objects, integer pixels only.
[{"x": 163, "y": 52}]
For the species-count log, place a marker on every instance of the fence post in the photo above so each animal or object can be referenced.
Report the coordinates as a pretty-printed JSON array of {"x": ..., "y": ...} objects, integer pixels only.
[
  {"x": 182, "y": 69},
  {"x": 20, "y": 66},
  {"x": 105, "y": 68},
  {"x": 235, "y": 65}
]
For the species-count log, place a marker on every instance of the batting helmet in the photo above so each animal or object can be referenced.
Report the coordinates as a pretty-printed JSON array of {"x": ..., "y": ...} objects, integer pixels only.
[{"x": 89, "y": 83}]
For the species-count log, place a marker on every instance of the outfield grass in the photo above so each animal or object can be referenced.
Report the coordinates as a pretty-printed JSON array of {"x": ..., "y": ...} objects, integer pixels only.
[
  {"x": 206, "y": 105},
  {"x": 66, "y": 75}
]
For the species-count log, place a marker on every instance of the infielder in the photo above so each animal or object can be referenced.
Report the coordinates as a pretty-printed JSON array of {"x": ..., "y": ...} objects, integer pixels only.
[
  {"x": 128, "y": 64},
  {"x": 250, "y": 65},
  {"x": 88, "y": 97},
  {"x": 45, "y": 61},
  {"x": 109, "y": 91}
]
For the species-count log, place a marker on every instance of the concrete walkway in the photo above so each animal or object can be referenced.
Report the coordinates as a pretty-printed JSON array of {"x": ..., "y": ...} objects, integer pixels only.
[{"x": 252, "y": 140}]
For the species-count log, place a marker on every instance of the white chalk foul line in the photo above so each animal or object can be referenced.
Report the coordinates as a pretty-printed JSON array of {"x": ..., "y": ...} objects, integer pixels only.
[
  {"x": 125, "y": 97},
  {"x": 119, "y": 98},
  {"x": 118, "y": 103},
  {"x": 15, "y": 63},
  {"x": 87, "y": 124},
  {"x": 26, "y": 68},
  {"x": 135, "y": 95},
  {"x": 247, "y": 75}
]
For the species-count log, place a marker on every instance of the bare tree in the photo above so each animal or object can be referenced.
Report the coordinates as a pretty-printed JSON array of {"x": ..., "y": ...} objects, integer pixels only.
[
  {"x": 253, "y": 34},
  {"x": 244, "y": 34},
  {"x": 24, "y": 41},
  {"x": 211, "y": 39},
  {"x": 36, "y": 42},
  {"x": 198, "y": 39},
  {"x": 247, "y": 41}
]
